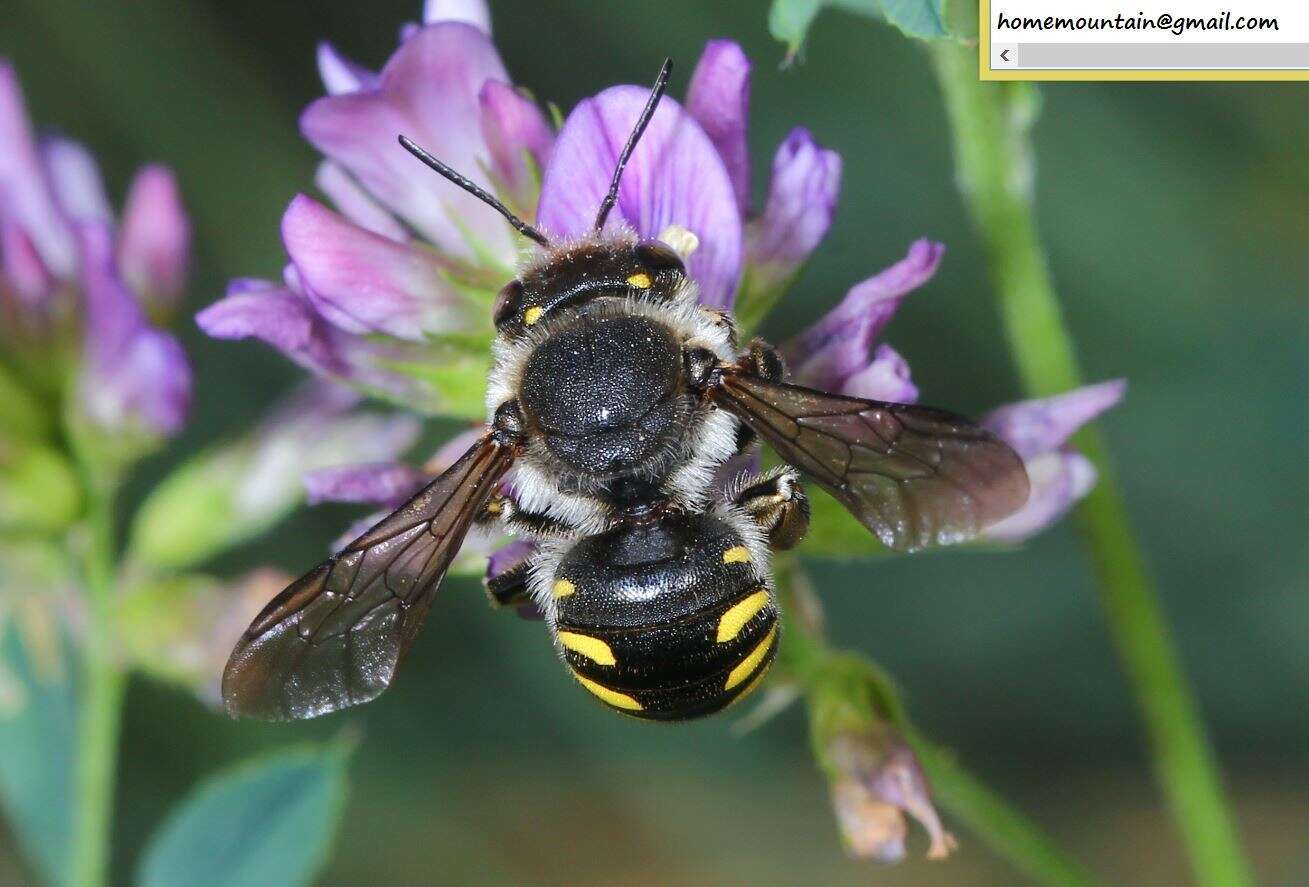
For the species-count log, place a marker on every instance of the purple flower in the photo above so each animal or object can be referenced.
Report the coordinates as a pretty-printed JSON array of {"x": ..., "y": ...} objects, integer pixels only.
[
  {"x": 154, "y": 243},
  {"x": 387, "y": 290},
  {"x": 383, "y": 294},
  {"x": 374, "y": 294},
  {"x": 691, "y": 170},
  {"x": 135, "y": 378},
  {"x": 675, "y": 177},
  {"x": 836, "y": 353},
  {"x": 877, "y": 781},
  {"x": 841, "y": 353},
  {"x": 801, "y": 202},
  {"x": 63, "y": 259},
  {"x": 1039, "y": 431}
]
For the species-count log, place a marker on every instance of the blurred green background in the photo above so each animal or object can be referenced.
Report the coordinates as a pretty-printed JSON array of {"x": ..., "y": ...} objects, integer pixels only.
[{"x": 1177, "y": 219}]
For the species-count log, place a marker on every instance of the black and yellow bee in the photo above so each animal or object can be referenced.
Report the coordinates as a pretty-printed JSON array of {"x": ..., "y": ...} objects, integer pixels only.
[{"x": 614, "y": 400}]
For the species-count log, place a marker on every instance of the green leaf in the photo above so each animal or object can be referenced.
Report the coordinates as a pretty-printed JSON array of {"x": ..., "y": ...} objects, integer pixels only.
[
  {"x": 267, "y": 821},
  {"x": 790, "y": 20},
  {"x": 924, "y": 19},
  {"x": 37, "y": 729}
]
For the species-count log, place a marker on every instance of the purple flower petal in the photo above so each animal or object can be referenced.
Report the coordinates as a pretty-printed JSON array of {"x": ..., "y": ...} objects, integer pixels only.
[
  {"x": 515, "y": 130},
  {"x": 24, "y": 188},
  {"x": 285, "y": 319},
  {"x": 719, "y": 99},
  {"x": 885, "y": 378},
  {"x": 356, "y": 204},
  {"x": 1033, "y": 427},
  {"x": 675, "y": 177},
  {"x": 363, "y": 282},
  {"x": 341, "y": 75},
  {"x": 801, "y": 203},
  {"x": 75, "y": 178},
  {"x": 878, "y": 781},
  {"x": 472, "y": 12},
  {"x": 1059, "y": 480},
  {"x": 376, "y": 483},
  {"x": 452, "y": 449},
  {"x": 24, "y": 270},
  {"x": 136, "y": 378},
  {"x": 506, "y": 557},
  {"x": 154, "y": 244},
  {"x": 273, "y": 314},
  {"x": 429, "y": 92},
  {"x": 836, "y": 347}
]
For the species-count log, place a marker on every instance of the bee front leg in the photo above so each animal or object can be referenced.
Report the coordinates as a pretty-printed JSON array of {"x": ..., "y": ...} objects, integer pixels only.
[{"x": 776, "y": 501}]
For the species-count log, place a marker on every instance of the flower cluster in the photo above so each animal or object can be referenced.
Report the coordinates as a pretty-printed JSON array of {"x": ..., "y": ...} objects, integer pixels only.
[
  {"x": 389, "y": 289},
  {"x": 81, "y": 294},
  {"x": 90, "y": 381}
]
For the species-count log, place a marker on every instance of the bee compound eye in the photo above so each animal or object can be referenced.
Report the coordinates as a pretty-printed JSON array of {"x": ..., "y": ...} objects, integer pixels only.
[
  {"x": 658, "y": 256},
  {"x": 506, "y": 301}
]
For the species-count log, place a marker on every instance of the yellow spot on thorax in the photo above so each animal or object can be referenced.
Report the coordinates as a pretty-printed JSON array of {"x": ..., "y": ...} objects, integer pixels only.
[
  {"x": 592, "y": 648},
  {"x": 731, "y": 622},
  {"x": 563, "y": 588},
  {"x": 640, "y": 280},
  {"x": 747, "y": 665},
  {"x": 612, "y": 697},
  {"x": 533, "y": 314},
  {"x": 737, "y": 554}
]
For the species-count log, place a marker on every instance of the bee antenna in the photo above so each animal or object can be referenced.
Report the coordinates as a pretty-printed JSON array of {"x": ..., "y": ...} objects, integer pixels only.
[
  {"x": 474, "y": 189},
  {"x": 660, "y": 84}
]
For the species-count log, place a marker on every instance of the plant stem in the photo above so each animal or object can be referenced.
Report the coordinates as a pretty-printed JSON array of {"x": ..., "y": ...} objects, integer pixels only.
[
  {"x": 990, "y": 124},
  {"x": 102, "y": 688},
  {"x": 808, "y": 658}
]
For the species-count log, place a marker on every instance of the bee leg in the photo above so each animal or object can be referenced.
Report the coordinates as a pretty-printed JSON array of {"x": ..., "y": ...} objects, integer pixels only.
[
  {"x": 532, "y": 524},
  {"x": 776, "y": 501},
  {"x": 509, "y": 588},
  {"x": 723, "y": 318}
]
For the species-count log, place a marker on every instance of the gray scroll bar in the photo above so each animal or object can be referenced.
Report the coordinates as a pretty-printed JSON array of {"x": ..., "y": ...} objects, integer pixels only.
[{"x": 1166, "y": 56}]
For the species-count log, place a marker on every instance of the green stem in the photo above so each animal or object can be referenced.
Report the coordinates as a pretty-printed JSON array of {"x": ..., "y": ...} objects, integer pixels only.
[
  {"x": 990, "y": 124},
  {"x": 808, "y": 658},
  {"x": 1003, "y": 828},
  {"x": 102, "y": 689}
]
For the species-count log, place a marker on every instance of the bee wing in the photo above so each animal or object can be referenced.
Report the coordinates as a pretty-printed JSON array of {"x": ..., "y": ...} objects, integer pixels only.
[
  {"x": 915, "y": 476},
  {"x": 335, "y": 637}
]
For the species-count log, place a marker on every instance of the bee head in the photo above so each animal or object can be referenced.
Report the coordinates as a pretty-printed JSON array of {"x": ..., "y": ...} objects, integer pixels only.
[{"x": 600, "y": 267}]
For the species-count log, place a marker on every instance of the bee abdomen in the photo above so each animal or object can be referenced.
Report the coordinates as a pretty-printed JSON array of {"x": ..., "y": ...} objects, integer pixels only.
[{"x": 681, "y": 668}]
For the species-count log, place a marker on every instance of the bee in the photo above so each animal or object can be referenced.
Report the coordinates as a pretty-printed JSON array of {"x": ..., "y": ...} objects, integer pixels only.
[{"x": 613, "y": 403}]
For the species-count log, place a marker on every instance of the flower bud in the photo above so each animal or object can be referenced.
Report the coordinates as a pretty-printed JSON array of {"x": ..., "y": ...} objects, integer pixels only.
[
  {"x": 154, "y": 244},
  {"x": 182, "y": 629},
  {"x": 39, "y": 490},
  {"x": 799, "y": 210},
  {"x": 236, "y": 491},
  {"x": 1039, "y": 431},
  {"x": 877, "y": 780}
]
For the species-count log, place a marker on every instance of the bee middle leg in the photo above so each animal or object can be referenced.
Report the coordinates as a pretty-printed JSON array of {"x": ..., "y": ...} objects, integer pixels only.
[
  {"x": 776, "y": 501},
  {"x": 509, "y": 588}
]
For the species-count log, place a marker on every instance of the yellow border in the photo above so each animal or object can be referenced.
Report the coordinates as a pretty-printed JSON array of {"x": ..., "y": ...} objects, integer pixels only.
[{"x": 1213, "y": 75}]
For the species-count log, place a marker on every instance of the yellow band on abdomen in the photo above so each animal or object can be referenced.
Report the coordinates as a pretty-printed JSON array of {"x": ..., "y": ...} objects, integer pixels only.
[
  {"x": 612, "y": 697},
  {"x": 747, "y": 665},
  {"x": 731, "y": 622},
  {"x": 592, "y": 648}
]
